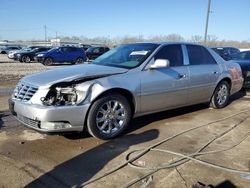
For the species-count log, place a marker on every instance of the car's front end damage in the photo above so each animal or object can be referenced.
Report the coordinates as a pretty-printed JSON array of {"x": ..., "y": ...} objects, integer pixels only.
[{"x": 59, "y": 107}]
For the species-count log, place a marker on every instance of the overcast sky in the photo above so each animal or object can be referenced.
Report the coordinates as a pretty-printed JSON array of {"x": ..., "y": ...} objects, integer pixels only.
[{"x": 25, "y": 19}]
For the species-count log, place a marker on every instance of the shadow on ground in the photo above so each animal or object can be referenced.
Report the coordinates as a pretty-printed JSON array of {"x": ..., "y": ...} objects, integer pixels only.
[
  {"x": 84, "y": 166},
  {"x": 2, "y": 114},
  {"x": 224, "y": 184}
]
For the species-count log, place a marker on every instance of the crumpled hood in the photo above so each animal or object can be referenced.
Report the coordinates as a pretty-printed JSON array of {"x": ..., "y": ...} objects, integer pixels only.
[{"x": 67, "y": 74}]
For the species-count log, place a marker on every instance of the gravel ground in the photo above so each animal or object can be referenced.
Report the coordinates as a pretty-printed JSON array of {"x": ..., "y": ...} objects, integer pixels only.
[
  {"x": 4, "y": 59},
  {"x": 18, "y": 70}
]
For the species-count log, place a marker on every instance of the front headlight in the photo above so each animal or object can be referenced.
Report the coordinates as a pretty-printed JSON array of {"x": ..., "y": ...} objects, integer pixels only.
[
  {"x": 40, "y": 55},
  {"x": 63, "y": 96}
]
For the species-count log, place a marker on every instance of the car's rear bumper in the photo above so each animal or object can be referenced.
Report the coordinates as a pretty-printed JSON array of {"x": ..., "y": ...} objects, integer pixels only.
[{"x": 49, "y": 119}]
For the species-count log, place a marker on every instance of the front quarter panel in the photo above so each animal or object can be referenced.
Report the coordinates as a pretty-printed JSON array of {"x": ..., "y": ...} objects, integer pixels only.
[{"x": 128, "y": 81}]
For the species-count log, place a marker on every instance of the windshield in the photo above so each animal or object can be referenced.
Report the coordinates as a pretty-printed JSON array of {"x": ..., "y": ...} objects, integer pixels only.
[
  {"x": 53, "y": 49},
  {"x": 126, "y": 56},
  {"x": 90, "y": 49},
  {"x": 241, "y": 56},
  {"x": 26, "y": 49}
]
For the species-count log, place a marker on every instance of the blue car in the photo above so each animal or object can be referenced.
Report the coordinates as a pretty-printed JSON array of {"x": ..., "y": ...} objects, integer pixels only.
[{"x": 71, "y": 54}]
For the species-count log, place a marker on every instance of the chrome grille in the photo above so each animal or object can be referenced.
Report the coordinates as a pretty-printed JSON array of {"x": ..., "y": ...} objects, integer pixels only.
[
  {"x": 28, "y": 121},
  {"x": 24, "y": 92}
]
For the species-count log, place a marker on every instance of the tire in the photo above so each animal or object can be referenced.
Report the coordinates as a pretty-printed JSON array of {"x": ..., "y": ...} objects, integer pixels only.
[
  {"x": 221, "y": 95},
  {"x": 48, "y": 61},
  {"x": 25, "y": 59},
  {"x": 109, "y": 116},
  {"x": 79, "y": 60}
]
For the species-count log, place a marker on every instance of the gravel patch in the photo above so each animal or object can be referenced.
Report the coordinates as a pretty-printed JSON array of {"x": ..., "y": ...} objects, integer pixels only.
[{"x": 15, "y": 71}]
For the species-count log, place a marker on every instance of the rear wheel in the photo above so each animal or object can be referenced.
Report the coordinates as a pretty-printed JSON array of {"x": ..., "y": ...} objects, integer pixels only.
[
  {"x": 221, "y": 95},
  {"x": 108, "y": 116},
  {"x": 79, "y": 60},
  {"x": 25, "y": 59},
  {"x": 48, "y": 61}
]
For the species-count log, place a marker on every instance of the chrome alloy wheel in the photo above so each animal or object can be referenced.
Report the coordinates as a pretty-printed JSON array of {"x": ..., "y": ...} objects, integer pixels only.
[
  {"x": 110, "y": 117},
  {"x": 222, "y": 94}
]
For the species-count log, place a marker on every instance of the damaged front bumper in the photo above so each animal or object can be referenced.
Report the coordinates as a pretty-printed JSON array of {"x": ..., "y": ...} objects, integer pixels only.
[{"x": 49, "y": 119}]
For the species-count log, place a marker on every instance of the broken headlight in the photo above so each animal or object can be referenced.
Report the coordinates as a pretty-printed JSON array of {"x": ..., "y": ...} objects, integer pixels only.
[{"x": 63, "y": 96}]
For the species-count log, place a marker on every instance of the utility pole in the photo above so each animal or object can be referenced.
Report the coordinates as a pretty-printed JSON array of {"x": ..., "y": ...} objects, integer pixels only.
[
  {"x": 45, "y": 33},
  {"x": 207, "y": 20}
]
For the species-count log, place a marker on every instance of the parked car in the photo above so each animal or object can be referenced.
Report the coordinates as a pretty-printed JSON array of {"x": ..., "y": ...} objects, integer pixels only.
[
  {"x": 85, "y": 46},
  {"x": 243, "y": 59},
  {"x": 95, "y": 51},
  {"x": 62, "y": 54},
  {"x": 28, "y": 56},
  {"x": 226, "y": 52},
  {"x": 9, "y": 48},
  {"x": 128, "y": 81},
  {"x": 13, "y": 52}
]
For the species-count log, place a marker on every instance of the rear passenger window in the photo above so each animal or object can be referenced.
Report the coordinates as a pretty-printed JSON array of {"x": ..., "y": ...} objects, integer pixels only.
[
  {"x": 247, "y": 57},
  {"x": 198, "y": 55},
  {"x": 173, "y": 53}
]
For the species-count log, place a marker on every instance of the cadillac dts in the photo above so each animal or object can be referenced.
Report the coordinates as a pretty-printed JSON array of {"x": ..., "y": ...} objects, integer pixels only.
[{"x": 128, "y": 81}]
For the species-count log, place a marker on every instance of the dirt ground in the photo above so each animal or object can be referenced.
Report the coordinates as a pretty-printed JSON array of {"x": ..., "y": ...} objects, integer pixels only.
[{"x": 31, "y": 159}]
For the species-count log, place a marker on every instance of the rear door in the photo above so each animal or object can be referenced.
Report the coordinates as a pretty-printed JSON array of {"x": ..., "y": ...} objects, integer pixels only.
[
  {"x": 165, "y": 88},
  {"x": 204, "y": 73},
  {"x": 74, "y": 53},
  {"x": 66, "y": 54}
]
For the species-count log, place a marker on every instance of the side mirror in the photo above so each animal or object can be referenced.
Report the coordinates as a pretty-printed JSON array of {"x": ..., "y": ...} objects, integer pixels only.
[{"x": 160, "y": 63}]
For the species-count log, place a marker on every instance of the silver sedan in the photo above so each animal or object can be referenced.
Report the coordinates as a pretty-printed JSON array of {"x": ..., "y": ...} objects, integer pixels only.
[{"x": 128, "y": 81}]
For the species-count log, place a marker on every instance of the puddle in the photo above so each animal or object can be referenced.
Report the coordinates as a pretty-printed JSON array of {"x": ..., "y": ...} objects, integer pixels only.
[{"x": 31, "y": 136}]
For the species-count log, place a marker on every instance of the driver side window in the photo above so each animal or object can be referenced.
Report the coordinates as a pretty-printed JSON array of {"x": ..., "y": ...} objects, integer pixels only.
[{"x": 173, "y": 53}]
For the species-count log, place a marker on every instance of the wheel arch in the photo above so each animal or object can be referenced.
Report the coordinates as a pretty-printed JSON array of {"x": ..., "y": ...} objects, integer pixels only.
[
  {"x": 126, "y": 93},
  {"x": 228, "y": 80}
]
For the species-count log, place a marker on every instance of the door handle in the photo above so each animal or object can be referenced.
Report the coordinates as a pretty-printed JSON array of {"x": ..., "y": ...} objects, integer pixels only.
[
  {"x": 216, "y": 72},
  {"x": 182, "y": 76}
]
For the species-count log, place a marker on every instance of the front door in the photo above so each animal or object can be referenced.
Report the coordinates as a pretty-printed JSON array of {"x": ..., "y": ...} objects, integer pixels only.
[{"x": 165, "y": 88}]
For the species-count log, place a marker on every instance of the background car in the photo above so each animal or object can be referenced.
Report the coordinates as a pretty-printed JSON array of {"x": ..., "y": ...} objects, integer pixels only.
[
  {"x": 85, "y": 46},
  {"x": 95, "y": 51},
  {"x": 13, "y": 52},
  {"x": 28, "y": 56},
  {"x": 9, "y": 48},
  {"x": 74, "y": 55},
  {"x": 226, "y": 52},
  {"x": 243, "y": 59}
]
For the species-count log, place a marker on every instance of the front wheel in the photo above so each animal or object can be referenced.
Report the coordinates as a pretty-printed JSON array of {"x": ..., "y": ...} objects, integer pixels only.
[
  {"x": 221, "y": 95},
  {"x": 26, "y": 59},
  {"x": 48, "y": 61},
  {"x": 108, "y": 116}
]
